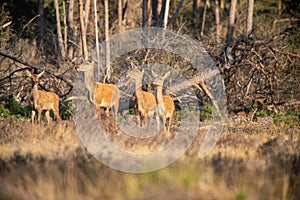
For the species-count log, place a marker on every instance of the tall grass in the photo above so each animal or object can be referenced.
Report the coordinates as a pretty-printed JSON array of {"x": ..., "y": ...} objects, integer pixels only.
[{"x": 49, "y": 162}]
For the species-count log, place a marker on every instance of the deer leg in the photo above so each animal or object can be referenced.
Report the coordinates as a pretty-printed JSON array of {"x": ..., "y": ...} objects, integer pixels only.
[
  {"x": 47, "y": 114},
  {"x": 150, "y": 117},
  {"x": 97, "y": 112},
  {"x": 39, "y": 115},
  {"x": 170, "y": 122},
  {"x": 57, "y": 116},
  {"x": 157, "y": 121},
  {"x": 32, "y": 116},
  {"x": 164, "y": 123},
  {"x": 138, "y": 119}
]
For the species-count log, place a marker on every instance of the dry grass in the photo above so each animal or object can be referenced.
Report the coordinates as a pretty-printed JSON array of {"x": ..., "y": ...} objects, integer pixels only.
[{"x": 248, "y": 162}]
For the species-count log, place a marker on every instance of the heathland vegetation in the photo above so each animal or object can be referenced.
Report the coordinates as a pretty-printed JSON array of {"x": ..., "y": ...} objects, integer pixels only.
[{"x": 255, "y": 47}]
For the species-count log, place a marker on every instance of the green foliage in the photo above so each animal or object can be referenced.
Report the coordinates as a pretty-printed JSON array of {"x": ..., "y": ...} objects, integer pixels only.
[
  {"x": 240, "y": 196},
  {"x": 13, "y": 109},
  {"x": 264, "y": 113},
  {"x": 288, "y": 119},
  {"x": 66, "y": 110},
  {"x": 4, "y": 112},
  {"x": 206, "y": 110}
]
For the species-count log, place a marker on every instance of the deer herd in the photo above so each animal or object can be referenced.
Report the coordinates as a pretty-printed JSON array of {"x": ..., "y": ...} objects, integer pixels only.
[{"x": 107, "y": 96}]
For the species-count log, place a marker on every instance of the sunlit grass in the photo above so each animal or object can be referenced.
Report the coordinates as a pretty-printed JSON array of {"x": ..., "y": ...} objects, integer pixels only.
[{"x": 49, "y": 162}]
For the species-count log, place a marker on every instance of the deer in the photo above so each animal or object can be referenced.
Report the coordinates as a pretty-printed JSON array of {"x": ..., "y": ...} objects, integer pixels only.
[
  {"x": 146, "y": 102},
  {"x": 100, "y": 94},
  {"x": 43, "y": 100},
  {"x": 165, "y": 104}
]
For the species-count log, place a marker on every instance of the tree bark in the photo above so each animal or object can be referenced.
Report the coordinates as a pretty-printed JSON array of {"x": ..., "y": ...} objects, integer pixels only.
[
  {"x": 96, "y": 32},
  {"x": 65, "y": 26},
  {"x": 165, "y": 22},
  {"x": 229, "y": 36},
  {"x": 107, "y": 47},
  {"x": 70, "y": 23},
  {"x": 250, "y": 16},
  {"x": 204, "y": 17},
  {"x": 230, "y": 29},
  {"x": 154, "y": 5},
  {"x": 59, "y": 34},
  {"x": 145, "y": 19},
  {"x": 41, "y": 24},
  {"x": 83, "y": 32},
  {"x": 217, "y": 17},
  {"x": 87, "y": 13},
  {"x": 120, "y": 11}
]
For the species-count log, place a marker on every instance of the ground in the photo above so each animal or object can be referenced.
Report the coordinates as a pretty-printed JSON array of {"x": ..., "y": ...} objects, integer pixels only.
[{"x": 250, "y": 161}]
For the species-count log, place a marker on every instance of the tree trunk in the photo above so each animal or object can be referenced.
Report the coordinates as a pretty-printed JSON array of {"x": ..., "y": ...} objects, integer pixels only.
[
  {"x": 204, "y": 17},
  {"x": 174, "y": 16},
  {"x": 87, "y": 13},
  {"x": 83, "y": 32},
  {"x": 162, "y": 13},
  {"x": 154, "y": 6},
  {"x": 145, "y": 14},
  {"x": 229, "y": 35},
  {"x": 65, "y": 26},
  {"x": 165, "y": 22},
  {"x": 120, "y": 11},
  {"x": 59, "y": 34},
  {"x": 107, "y": 48},
  {"x": 96, "y": 32},
  {"x": 217, "y": 15},
  {"x": 70, "y": 22},
  {"x": 222, "y": 4},
  {"x": 41, "y": 24},
  {"x": 279, "y": 2},
  {"x": 196, "y": 14},
  {"x": 249, "y": 16},
  {"x": 230, "y": 29}
]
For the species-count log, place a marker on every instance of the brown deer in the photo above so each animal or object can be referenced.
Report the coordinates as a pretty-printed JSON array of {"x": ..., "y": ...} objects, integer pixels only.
[
  {"x": 165, "y": 103},
  {"x": 100, "y": 94},
  {"x": 146, "y": 102},
  {"x": 43, "y": 100}
]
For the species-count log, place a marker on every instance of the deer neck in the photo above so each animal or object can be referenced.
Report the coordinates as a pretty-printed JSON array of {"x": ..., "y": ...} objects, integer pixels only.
[
  {"x": 159, "y": 94},
  {"x": 35, "y": 93},
  {"x": 138, "y": 85},
  {"x": 89, "y": 81}
]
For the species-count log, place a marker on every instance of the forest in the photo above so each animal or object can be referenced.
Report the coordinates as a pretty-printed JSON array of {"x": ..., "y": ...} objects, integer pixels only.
[{"x": 234, "y": 63}]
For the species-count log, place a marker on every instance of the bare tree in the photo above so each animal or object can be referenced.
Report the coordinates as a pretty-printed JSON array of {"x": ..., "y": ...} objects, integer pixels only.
[
  {"x": 196, "y": 14},
  {"x": 107, "y": 48},
  {"x": 154, "y": 17},
  {"x": 120, "y": 11},
  {"x": 165, "y": 22},
  {"x": 87, "y": 13},
  {"x": 83, "y": 32},
  {"x": 222, "y": 4},
  {"x": 59, "y": 34},
  {"x": 204, "y": 17},
  {"x": 96, "y": 31},
  {"x": 70, "y": 23},
  {"x": 279, "y": 2},
  {"x": 41, "y": 23},
  {"x": 250, "y": 16},
  {"x": 230, "y": 28},
  {"x": 145, "y": 20},
  {"x": 217, "y": 17},
  {"x": 65, "y": 26}
]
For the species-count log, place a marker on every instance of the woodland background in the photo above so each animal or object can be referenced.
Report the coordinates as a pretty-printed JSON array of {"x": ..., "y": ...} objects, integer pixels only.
[{"x": 254, "y": 44}]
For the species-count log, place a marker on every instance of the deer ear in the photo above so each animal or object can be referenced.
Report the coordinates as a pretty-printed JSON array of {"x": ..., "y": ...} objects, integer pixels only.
[
  {"x": 41, "y": 74},
  {"x": 28, "y": 73},
  {"x": 167, "y": 74}
]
